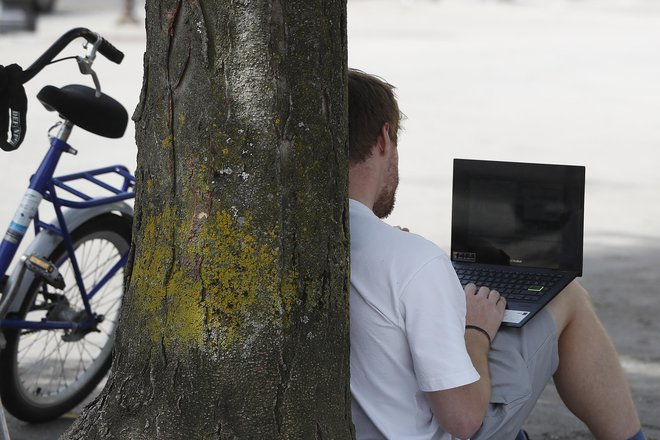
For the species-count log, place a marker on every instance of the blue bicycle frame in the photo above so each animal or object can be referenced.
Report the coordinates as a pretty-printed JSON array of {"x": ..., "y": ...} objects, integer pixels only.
[{"x": 44, "y": 186}]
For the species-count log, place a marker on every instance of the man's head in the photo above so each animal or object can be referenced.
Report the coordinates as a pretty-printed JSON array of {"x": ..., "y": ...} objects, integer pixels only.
[
  {"x": 373, "y": 125},
  {"x": 371, "y": 104}
]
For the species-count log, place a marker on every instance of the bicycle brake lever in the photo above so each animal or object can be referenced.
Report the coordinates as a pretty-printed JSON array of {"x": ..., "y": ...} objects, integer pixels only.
[
  {"x": 85, "y": 67},
  {"x": 97, "y": 84}
]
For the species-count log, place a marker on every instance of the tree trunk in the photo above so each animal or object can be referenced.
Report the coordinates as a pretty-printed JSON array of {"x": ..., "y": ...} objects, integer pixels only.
[{"x": 235, "y": 322}]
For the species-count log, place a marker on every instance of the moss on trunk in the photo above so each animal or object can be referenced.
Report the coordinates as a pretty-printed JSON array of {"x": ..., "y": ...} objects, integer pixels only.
[{"x": 235, "y": 323}]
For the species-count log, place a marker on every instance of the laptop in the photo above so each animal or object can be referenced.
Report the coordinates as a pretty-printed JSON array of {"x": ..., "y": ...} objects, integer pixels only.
[{"x": 518, "y": 228}]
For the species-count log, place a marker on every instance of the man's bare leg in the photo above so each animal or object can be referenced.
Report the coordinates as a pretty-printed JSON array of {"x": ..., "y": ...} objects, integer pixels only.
[{"x": 590, "y": 379}]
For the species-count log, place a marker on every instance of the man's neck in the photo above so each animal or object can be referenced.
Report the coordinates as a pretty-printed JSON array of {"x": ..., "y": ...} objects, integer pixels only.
[{"x": 362, "y": 186}]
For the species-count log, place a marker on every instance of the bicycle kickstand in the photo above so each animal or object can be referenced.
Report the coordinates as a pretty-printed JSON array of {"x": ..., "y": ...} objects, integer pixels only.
[
  {"x": 3, "y": 420},
  {"x": 3, "y": 423}
]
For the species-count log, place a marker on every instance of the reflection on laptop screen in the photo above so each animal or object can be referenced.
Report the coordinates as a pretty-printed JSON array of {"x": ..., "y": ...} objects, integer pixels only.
[{"x": 518, "y": 214}]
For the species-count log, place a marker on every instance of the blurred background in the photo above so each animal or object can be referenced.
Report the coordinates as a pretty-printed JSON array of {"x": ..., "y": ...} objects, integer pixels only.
[{"x": 554, "y": 81}]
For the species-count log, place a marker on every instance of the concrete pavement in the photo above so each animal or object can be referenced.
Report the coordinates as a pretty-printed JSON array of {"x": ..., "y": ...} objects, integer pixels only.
[{"x": 555, "y": 81}]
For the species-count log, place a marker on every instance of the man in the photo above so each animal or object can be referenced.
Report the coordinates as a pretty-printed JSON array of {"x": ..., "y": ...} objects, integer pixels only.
[{"x": 422, "y": 363}]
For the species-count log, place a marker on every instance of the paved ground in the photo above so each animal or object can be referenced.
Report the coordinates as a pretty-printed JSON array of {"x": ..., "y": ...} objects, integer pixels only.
[{"x": 540, "y": 81}]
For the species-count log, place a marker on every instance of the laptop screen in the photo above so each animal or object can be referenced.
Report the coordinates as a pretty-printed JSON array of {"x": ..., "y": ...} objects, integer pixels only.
[{"x": 518, "y": 214}]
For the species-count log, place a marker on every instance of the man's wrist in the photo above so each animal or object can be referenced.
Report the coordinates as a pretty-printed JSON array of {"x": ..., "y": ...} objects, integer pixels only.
[{"x": 476, "y": 330}]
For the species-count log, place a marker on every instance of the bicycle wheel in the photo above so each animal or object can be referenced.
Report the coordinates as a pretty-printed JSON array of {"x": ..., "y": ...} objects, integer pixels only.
[{"x": 46, "y": 373}]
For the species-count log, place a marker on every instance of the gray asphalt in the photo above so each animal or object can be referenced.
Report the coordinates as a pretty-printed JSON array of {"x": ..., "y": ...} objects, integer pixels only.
[{"x": 556, "y": 81}]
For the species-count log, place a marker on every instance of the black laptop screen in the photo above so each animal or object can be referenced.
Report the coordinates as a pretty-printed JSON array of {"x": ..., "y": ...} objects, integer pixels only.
[{"x": 518, "y": 214}]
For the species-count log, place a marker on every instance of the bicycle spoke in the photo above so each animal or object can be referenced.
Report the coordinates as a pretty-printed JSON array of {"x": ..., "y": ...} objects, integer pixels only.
[{"x": 107, "y": 302}]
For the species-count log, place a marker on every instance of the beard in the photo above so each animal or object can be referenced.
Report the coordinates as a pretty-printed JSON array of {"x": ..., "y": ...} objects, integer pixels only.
[{"x": 384, "y": 204}]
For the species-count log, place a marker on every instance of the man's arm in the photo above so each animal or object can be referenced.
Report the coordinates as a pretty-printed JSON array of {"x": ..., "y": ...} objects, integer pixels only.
[{"x": 461, "y": 410}]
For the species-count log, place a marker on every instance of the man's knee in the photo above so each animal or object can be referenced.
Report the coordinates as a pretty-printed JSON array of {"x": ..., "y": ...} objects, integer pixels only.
[{"x": 571, "y": 302}]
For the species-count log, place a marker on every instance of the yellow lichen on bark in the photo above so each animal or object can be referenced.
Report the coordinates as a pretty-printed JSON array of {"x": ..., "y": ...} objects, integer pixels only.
[
  {"x": 242, "y": 278},
  {"x": 167, "y": 297},
  {"x": 166, "y": 143},
  {"x": 225, "y": 274}
]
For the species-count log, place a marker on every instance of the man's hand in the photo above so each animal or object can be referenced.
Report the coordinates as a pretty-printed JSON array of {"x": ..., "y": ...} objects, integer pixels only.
[{"x": 485, "y": 308}]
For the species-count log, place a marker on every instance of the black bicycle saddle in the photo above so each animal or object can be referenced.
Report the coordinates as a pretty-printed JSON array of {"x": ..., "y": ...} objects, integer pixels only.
[{"x": 103, "y": 116}]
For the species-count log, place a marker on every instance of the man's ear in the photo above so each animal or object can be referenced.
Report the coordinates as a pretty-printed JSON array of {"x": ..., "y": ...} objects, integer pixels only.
[{"x": 383, "y": 140}]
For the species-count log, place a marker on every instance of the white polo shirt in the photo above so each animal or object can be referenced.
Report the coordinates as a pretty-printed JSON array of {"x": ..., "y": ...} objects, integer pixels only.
[{"x": 407, "y": 330}]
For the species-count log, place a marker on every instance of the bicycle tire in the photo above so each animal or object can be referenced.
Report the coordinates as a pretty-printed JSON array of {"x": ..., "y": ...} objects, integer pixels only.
[{"x": 45, "y": 376}]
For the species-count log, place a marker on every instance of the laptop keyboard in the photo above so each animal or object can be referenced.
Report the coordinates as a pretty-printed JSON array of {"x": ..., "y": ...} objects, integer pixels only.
[{"x": 522, "y": 286}]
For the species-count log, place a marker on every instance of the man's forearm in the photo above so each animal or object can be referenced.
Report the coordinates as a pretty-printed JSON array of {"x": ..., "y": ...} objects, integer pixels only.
[
  {"x": 478, "y": 347},
  {"x": 461, "y": 410}
]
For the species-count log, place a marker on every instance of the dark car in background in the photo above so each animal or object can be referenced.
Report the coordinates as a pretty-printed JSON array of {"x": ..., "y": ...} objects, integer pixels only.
[
  {"x": 21, "y": 15},
  {"x": 43, "y": 6}
]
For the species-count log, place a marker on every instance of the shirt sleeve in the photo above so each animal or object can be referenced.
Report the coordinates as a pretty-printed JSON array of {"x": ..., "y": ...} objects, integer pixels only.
[{"x": 433, "y": 310}]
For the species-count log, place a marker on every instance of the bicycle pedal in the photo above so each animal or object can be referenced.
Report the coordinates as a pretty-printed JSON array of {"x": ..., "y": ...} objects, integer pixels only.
[{"x": 45, "y": 270}]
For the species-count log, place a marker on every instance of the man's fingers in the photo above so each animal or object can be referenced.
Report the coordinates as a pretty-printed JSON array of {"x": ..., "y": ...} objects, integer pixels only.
[
  {"x": 483, "y": 291},
  {"x": 492, "y": 296}
]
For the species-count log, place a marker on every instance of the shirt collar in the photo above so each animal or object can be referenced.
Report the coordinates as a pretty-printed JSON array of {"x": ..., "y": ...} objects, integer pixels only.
[{"x": 359, "y": 207}]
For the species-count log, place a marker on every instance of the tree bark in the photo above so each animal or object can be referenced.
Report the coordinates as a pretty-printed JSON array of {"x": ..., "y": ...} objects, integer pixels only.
[{"x": 235, "y": 320}]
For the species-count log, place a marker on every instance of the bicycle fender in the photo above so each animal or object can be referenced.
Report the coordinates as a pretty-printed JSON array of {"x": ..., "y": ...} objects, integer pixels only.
[{"x": 45, "y": 243}]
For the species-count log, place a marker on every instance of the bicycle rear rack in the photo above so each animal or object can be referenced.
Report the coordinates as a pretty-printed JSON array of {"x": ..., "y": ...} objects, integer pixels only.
[{"x": 119, "y": 191}]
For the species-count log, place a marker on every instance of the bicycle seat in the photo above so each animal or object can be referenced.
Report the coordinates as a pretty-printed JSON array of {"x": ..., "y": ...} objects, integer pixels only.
[{"x": 103, "y": 116}]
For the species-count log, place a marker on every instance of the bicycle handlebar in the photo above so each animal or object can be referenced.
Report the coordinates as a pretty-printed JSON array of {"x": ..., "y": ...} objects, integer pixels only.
[
  {"x": 106, "y": 49},
  {"x": 111, "y": 52},
  {"x": 12, "y": 94}
]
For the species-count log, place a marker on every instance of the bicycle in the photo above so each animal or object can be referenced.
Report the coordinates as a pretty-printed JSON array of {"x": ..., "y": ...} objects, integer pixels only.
[{"x": 60, "y": 304}]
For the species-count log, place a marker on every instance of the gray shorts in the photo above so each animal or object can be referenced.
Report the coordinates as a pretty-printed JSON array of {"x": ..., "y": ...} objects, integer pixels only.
[{"x": 522, "y": 361}]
